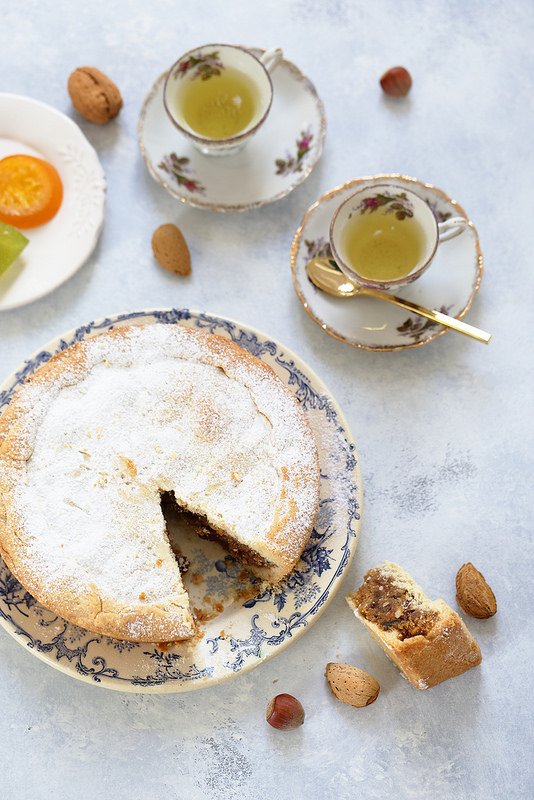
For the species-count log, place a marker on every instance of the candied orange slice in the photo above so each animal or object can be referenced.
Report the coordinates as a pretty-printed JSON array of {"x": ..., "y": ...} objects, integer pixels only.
[{"x": 31, "y": 191}]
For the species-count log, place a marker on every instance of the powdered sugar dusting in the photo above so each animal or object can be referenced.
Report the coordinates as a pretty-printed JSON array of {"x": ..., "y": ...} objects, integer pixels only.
[
  {"x": 156, "y": 409},
  {"x": 234, "y": 639}
]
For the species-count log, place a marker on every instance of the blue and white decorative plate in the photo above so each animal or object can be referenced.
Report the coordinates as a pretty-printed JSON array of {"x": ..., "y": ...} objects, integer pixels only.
[{"x": 241, "y": 623}]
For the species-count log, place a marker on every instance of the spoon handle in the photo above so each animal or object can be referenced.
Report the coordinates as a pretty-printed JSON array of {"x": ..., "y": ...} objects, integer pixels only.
[{"x": 435, "y": 316}]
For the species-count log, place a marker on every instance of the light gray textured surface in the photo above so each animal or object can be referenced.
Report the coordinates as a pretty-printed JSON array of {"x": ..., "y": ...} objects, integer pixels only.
[{"x": 444, "y": 432}]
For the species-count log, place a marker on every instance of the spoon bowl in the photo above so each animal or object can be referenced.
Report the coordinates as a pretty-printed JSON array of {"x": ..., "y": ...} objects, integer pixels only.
[{"x": 326, "y": 275}]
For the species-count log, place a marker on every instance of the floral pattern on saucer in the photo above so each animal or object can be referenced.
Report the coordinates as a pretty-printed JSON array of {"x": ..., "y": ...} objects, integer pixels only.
[
  {"x": 280, "y": 156},
  {"x": 178, "y": 168},
  {"x": 449, "y": 285},
  {"x": 290, "y": 164},
  {"x": 241, "y": 622}
]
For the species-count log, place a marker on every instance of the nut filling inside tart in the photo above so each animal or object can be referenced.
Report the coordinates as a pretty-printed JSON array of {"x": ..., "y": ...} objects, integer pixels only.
[
  {"x": 424, "y": 638},
  {"x": 388, "y": 604},
  {"x": 202, "y": 527}
]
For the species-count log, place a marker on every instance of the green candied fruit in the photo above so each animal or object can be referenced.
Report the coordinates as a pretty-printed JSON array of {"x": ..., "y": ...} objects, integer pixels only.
[{"x": 12, "y": 243}]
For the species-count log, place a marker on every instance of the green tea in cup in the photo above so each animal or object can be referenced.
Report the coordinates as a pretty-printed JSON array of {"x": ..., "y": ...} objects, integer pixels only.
[
  {"x": 383, "y": 247},
  {"x": 385, "y": 235},
  {"x": 219, "y": 95},
  {"x": 219, "y": 107}
]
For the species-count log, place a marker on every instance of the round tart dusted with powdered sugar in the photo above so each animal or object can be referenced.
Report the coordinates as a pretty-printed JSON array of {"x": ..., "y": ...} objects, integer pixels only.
[{"x": 105, "y": 429}]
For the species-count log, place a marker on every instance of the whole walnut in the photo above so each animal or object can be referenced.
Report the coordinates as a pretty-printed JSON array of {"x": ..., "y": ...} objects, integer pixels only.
[{"x": 94, "y": 95}]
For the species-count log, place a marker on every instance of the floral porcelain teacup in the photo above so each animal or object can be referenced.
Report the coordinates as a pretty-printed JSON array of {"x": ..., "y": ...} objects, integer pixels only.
[
  {"x": 219, "y": 95},
  {"x": 385, "y": 236}
]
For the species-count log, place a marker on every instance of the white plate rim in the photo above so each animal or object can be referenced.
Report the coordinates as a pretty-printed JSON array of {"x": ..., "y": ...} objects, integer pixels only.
[{"x": 38, "y": 127}]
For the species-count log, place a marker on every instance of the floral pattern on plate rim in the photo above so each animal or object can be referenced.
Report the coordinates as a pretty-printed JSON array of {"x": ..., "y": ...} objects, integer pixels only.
[{"x": 276, "y": 615}]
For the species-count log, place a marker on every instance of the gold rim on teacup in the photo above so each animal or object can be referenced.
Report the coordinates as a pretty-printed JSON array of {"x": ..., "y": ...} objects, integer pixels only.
[
  {"x": 212, "y": 62},
  {"x": 385, "y": 236}
]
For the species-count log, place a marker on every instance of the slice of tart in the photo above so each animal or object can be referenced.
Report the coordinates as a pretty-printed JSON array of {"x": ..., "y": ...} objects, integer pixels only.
[{"x": 426, "y": 639}]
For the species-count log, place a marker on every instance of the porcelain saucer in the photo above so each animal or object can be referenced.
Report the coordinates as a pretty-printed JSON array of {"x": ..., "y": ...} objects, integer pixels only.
[
  {"x": 59, "y": 248},
  {"x": 449, "y": 285},
  {"x": 277, "y": 160}
]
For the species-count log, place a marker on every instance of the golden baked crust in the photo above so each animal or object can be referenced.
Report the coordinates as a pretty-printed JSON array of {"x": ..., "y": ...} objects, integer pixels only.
[
  {"x": 99, "y": 433},
  {"x": 426, "y": 639}
]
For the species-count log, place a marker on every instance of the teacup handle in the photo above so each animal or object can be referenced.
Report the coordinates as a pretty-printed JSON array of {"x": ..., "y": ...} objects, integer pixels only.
[
  {"x": 271, "y": 58},
  {"x": 451, "y": 228}
]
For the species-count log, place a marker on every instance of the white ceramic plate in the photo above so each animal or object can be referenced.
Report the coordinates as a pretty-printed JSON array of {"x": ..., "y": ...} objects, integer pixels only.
[
  {"x": 449, "y": 284},
  {"x": 240, "y": 625},
  {"x": 60, "y": 247},
  {"x": 277, "y": 160}
]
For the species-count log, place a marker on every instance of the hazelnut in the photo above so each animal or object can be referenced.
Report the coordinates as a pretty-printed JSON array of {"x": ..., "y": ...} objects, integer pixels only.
[
  {"x": 94, "y": 95},
  {"x": 171, "y": 250},
  {"x": 474, "y": 596},
  {"x": 396, "y": 82},
  {"x": 285, "y": 712},
  {"x": 352, "y": 685}
]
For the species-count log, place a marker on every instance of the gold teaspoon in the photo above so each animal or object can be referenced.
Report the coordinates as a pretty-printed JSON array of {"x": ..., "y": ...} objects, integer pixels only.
[{"x": 324, "y": 273}]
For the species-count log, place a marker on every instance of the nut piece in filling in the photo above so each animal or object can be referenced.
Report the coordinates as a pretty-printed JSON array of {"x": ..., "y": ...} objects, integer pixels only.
[{"x": 425, "y": 639}]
